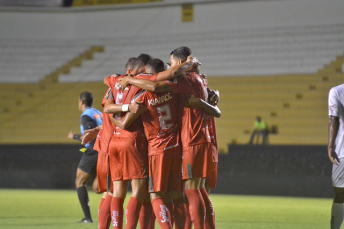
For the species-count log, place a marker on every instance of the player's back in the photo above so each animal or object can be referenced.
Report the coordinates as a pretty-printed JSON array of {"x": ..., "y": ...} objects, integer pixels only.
[
  {"x": 160, "y": 120},
  {"x": 196, "y": 125},
  {"x": 124, "y": 97}
]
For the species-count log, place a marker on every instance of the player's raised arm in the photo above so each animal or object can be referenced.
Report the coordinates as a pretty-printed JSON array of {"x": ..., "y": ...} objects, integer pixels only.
[
  {"x": 333, "y": 126},
  {"x": 125, "y": 122},
  {"x": 148, "y": 85},
  {"x": 178, "y": 69},
  {"x": 210, "y": 109}
]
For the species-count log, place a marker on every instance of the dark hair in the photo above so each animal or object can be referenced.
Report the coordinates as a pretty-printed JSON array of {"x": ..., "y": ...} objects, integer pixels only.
[
  {"x": 131, "y": 63},
  {"x": 86, "y": 98},
  {"x": 156, "y": 65},
  {"x": 181, "y": 53},
  {"x": 144, "y": 58}
]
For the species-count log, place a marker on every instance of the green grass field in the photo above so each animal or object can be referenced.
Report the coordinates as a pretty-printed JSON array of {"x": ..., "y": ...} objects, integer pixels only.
[{"x": 60, "y": 209}]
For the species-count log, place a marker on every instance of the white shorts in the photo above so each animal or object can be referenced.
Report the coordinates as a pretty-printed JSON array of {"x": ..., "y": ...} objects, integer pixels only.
[{"x": 338, "y": 174}]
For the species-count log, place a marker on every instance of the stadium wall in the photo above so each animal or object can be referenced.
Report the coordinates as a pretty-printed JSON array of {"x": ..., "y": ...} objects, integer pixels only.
[
  {"x": 148, "y": 19},
  {"x": 252, "y": 170}
]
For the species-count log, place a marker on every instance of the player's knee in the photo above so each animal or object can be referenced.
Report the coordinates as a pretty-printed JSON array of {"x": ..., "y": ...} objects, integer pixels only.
[{"x": 80, "y": 182}]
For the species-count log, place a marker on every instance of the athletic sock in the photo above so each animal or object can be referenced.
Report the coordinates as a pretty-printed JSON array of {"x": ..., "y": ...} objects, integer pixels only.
[
  {"x": 84, "y": 201},
  {"x": 162, "y": 213},
  {"x": 170, "y": 208},
  {"x": 337, "y": 215},
  {"x": 188, "y": 222},
  {"x": 210, "y": 213},
  {"x": 152, "y": 220},
  {"x": 179, "y": 210},
  {"x": 132, "y": 213},
  {"x": 100, "y": 205},
  {"x": 117, "y": 212},
  {"x": 146, "y": 213},
  {"x": 197, "y": 206},
  {"x": 104, "y": 216}
]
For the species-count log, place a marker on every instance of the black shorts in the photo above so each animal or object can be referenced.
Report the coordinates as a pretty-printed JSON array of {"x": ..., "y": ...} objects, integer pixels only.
[{"x": 88, "y": 161}]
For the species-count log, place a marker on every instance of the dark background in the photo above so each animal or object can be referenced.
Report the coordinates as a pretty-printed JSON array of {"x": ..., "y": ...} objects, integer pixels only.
[{"x": 254, "y": 170}]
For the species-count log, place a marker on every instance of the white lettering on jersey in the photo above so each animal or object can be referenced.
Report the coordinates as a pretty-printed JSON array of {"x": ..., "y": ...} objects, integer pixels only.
[{"x": 160, "y": 99}]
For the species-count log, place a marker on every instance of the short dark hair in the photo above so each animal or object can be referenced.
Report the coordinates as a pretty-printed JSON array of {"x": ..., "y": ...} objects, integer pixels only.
[
  {"x": 144, "y": 58},
  {"x": 181, "y": 53},
  {"x": 86, "y": 98},
  {"x": 156, "y": 65},
  {"x": 131, "y": 63}
]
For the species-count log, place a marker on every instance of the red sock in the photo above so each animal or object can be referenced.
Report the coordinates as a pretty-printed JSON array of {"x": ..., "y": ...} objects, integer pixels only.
[
  {"x": 170, "y": 208},
  {"x": 179, "y": 213},
  {"x": 196, "y": 203},
  {"x": 117, "y": 212},
  {"x": 104, "y": 214},
  {"x": 152, "y": 220},
  {"x": 161, "y": 213},
  {"x": 132, "y": 213},
  {"x": 188, "y": 222},
  {"x": 210, "y": 213},
  {"x": 145, "y": 216}
]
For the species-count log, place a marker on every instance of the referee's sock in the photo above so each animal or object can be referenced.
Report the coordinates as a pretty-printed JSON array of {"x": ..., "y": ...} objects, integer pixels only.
[
  {"x": 132, "y": 212},
  {"x": 197, "y": 205},
  {"x": 84, "y": 201},
  {"x": 210, "y": 213},
  {"x": 117, "y": 212},
  {"x": 337, "y": 215},
  {"x": 104, "y": 215}
]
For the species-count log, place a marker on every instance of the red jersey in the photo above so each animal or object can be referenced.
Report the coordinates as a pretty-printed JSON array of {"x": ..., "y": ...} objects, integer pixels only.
[
  {"x": 125, "y": 97},
  {"x": 105, "y": 134},
  {"x": 196, "y": 125},
  {"x": 160, "y": 121}
]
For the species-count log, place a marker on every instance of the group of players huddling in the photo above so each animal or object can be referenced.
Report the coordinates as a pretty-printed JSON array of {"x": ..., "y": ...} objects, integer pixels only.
[{"x": 158, "y": 133}]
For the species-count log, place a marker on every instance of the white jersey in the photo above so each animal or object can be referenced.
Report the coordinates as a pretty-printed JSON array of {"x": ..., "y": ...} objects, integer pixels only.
[{"x": 336, "y": 108}]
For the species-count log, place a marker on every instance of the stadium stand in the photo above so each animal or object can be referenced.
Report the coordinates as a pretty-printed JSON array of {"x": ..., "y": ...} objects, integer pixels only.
[
  {"x": 282, "y": 73},
  {"x": 287, "y": 50},
  {"x": 29, "y": 61}
]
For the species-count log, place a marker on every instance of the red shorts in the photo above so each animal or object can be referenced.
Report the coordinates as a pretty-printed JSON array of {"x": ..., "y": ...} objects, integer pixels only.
[
  {"x": 128, "y": 158},
  {"x": 198, "y": 161},
  {"x": 103, "y": 173},
  {"x": 165, "y": 171},
  {"x": 212, "y": 168}
]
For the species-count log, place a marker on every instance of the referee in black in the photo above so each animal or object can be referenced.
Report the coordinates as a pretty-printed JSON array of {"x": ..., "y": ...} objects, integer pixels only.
[{"x": 87, "y": 167}]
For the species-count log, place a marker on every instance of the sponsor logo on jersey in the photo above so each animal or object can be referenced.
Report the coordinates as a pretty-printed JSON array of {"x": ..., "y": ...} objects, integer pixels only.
[{"x": 160, "y": 99}]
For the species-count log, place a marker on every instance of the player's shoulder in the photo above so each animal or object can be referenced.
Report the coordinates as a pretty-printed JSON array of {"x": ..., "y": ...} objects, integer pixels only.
[
  {"x": 337, "y": 89},
  {"x": 111, "y": 78},
  {"x": 145, "y": 76}
]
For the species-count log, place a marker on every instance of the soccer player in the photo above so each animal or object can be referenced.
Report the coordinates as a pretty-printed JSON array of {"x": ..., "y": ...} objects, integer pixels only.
[
  {"x": 128, "y": 151},
  {"x": 336, "y": 152},
  {"x": 90, "y": 118},
  {"x": 103, "y": 135},
  {"x": 162, "y": 132},
  {"x": 196, "y": 132}
]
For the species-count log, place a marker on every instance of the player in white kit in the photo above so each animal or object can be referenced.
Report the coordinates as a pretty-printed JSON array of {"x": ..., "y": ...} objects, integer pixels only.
[{"x": 336, "y": 152}]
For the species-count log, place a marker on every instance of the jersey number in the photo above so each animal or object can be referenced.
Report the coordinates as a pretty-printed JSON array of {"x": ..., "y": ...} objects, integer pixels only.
[{"x": 165, "y": 115}]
